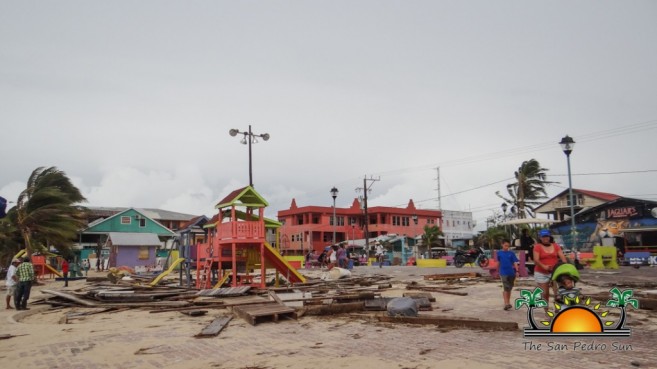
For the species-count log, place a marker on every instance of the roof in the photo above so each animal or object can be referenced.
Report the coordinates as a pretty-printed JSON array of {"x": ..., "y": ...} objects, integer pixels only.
[
  {"x": 605, "y": 196},
  {"x": 245, "y": 196},
  {"x": 134, "y": 239},
  {"x": 149, "y": 212}
]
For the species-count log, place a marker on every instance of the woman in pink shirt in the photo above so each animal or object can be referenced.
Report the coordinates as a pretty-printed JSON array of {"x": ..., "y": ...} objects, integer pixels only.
[{"x": 546, "y": 256}]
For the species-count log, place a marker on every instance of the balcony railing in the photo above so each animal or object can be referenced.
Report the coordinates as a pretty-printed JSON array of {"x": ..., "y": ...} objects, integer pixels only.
[{"x": 242, "y": 230}]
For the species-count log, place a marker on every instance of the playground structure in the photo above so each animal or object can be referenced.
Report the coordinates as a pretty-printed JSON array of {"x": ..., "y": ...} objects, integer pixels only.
[
  {"x": 236, "y": 245},
  {"x": 41, "y": 265}
]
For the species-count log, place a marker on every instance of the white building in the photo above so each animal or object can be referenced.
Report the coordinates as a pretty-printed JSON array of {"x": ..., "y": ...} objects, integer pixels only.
[{"x": 457, "y": 225}]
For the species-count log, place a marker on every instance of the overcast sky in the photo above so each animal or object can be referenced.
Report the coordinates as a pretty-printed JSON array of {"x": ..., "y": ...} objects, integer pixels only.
[{"x": 134, "y": 99}]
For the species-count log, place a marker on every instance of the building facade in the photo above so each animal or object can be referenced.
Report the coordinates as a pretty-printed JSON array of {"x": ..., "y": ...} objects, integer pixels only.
[
  {"x": 457, "y": 226},
  {"x": 311, "y": 227}
]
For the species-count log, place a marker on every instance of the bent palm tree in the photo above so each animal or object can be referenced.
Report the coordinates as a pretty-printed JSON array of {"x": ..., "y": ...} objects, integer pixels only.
[
  {"x": 45, "y": 212},
  {"x": 533, "y": 299},
  {"x": 620, "y": 300},
  {"x": 528, "y": 190},
  {"x": 430, "y": 236}
]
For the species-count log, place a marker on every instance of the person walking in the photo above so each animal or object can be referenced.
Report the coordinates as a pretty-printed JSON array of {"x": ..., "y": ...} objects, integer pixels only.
[
  {"x": 24, "y": 277},
  {"x": 342, "y": 257},
  {"x": 85, "y": 266},
  {"x": 546, "y": 256},
  {"x": 10, "y": 282},
  {"x": 527, "y": 243},
  {"x": 65, "y": 271},
  {"x": 508, "y": 269}
]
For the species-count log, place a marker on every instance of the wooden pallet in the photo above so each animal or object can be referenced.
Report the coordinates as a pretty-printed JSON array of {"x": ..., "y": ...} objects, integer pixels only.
[{"x": 254, "y": 314}]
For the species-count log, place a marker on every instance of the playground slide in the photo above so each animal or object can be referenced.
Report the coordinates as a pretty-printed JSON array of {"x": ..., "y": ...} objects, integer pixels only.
[
  {"x": 166, "y": 272},
  {"x": 54, "y": 271},
  {"x": 289, "y": 272}
]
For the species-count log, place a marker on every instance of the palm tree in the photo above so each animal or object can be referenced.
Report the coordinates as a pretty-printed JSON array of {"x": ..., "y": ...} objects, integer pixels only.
[
  {"x": 490, "y": 237},
  {"x": 45, "y": 212},
  {"x": 533, "y": 299},
  {"x": 622, "y": 299},
  {"x": 526, "y": 193},
  {"x": 430, "y": 236}
]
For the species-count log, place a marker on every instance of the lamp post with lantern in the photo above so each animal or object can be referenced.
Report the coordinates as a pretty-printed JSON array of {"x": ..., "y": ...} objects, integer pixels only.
[
  {"x": 334, "y": 195},
  {"x": 567, "y": 145}
]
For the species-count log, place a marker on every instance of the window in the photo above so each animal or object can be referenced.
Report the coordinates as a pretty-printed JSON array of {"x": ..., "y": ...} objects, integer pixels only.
[
  {"x": 406, "y": 221},
  {"x": 125, "y": 220},
  {"x": 142, "y": 223},
  {"x": 340, "y": 221},
  {"x": 395, "y": 220},
  {"x": 143, "y": 252}
]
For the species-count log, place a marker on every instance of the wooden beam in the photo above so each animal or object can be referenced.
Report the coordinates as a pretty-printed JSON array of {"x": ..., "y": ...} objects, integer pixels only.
[
  {"x": 215, "y": 327},
  {"x": 485, "y": 325},
  {"x": 334, "y": 309}
]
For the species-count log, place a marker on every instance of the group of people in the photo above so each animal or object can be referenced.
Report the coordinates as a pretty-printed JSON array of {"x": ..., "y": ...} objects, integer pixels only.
[
  {"x": 20, "y": 277},
  {"x": 332, "y": 256},
  {"x": 547, "y": 256}
]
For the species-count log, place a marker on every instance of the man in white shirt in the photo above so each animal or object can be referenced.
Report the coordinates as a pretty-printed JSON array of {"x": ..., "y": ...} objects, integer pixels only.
[{"x": 11, "y": 282}]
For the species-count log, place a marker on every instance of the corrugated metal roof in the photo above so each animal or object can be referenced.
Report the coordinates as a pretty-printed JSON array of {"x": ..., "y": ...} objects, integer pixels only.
[
  {"x": 134, "y": 239},
  {"x": 157, "y": 214}
]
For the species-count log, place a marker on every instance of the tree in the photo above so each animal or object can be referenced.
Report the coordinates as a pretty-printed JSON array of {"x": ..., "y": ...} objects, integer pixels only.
[
  {"x": 46, "y": 212},
  {"x": 620, "y": 300},
  {"x": 490, "y": 237},
  {"x": 431, "y": 236},
  {"x": 526, "y": 193}
]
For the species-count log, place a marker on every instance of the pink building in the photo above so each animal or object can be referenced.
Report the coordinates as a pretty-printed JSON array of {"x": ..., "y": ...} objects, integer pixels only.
[{"x": 311, "y": 227}]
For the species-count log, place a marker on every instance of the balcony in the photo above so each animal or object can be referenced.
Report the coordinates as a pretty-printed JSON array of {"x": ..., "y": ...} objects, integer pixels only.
[{"x": 242, "y": 231}]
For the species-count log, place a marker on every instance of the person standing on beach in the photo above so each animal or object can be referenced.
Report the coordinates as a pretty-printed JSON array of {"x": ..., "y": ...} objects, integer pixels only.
[
  {"x": 508, "y": 269},
  {"x": 546, "y": 256},
  {"x": 65, "y": 271},
  {"x": 11, "y": 282},
  {"x": 24, "y": 277}
]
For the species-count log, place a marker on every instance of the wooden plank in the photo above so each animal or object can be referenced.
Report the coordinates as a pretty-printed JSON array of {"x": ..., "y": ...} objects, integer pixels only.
[
  {"x": 414, "y": 295},
  {"x": 194, "y": 312},
  {"x": 334, "y": 309},
  {"x": 215, "y": 327},
  {"x": 434, "y": 277},
  {"x": 253, "y": 313},
  {"x": 485, "y": 325},
  {"x": 68, "y": 296},
  {"x": 437, "y": 289}
]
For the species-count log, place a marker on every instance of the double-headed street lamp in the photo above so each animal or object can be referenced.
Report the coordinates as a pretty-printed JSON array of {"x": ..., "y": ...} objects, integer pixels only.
[
  {"x": 252, "y": 138},
  {"x": 567, "y": 145},
  {"x": 334, "y": 194}
]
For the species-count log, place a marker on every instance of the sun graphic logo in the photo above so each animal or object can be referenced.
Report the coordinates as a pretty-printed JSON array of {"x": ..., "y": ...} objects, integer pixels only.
[{"x": 577, "y": 317}]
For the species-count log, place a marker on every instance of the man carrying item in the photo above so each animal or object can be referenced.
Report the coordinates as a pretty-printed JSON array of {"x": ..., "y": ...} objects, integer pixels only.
[
  {"x": 11, "y": 282},
  {"x": 508, "y": 266},
  {"x": 24, "y": 277}
]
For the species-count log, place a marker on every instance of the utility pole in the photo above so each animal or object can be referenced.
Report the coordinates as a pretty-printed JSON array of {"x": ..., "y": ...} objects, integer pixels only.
[
  {"x": 438, "y": 188},
  {"x": 366, "y": 189}
]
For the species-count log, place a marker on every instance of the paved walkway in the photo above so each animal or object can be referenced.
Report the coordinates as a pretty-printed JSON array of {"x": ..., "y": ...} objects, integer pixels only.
[{"x": 326, "y": 342}]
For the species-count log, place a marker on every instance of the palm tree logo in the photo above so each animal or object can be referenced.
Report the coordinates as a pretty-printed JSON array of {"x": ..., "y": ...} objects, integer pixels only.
[
  {"x": 533, "y": 299},
  {"x": 620, "y": 300},
  {"x": 577, "y": 318}
]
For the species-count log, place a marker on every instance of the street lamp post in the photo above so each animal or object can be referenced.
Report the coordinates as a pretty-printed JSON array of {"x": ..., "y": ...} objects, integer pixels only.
[
  {"x": 253, "y": 138},
  {"x": 505, "y": 206},
  {"x": 334, "y": 194},
  {"x": 567, "y": 145}
]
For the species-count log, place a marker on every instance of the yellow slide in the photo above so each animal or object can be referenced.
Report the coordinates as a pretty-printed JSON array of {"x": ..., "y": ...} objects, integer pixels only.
[
  {"x": 53, "y": 270},
  {"x": 166, "y": 272},
  {"x": 287, "y": 270}
]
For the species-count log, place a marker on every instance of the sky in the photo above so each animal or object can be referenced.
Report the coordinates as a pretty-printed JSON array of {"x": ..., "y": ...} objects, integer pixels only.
[{"x": 134, "y": 100}]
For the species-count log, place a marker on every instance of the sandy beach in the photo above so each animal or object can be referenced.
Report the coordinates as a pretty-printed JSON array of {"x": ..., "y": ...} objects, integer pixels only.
[{"x": 43, "y": 338}]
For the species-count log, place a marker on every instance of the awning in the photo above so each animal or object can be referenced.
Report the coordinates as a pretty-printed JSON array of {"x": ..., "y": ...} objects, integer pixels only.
[
  {"x": 134, "y": 239},
  {"x": 528, "y": 221}
]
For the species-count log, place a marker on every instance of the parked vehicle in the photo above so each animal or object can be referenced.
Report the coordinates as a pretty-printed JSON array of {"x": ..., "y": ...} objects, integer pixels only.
[{"x": 472, "y": 256}]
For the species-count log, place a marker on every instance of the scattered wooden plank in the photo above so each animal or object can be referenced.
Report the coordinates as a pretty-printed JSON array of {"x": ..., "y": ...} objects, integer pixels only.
[
  {"x": 7, "y": 336},
  {"x": 414, "y": 295},
  {"x": 183, "y": 308},
  {"x": 437, "y": 289},
  {"x": 485, "y": 325},
  {"x": 255, "y": 313},
  {"x": 194, "y": 312},
  {"x": 70, "y": 297},
  {"x": 215, "y": 327},
  {"x": 334, "y": 309},
  {"x": 434, "y": 277}
]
